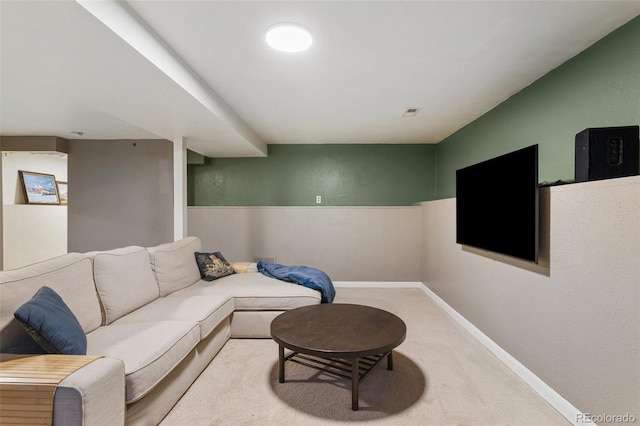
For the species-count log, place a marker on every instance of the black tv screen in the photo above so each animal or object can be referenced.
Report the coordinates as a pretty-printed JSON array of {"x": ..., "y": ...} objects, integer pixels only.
[{"x": 497, "y": 204}]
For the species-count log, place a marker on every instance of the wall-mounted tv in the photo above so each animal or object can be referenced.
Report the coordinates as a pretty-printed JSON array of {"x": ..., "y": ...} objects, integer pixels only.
[{"x": 497, "y": 204}]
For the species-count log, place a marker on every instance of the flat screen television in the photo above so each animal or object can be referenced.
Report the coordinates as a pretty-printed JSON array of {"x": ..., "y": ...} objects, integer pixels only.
[{"x": 497, "y": 204}]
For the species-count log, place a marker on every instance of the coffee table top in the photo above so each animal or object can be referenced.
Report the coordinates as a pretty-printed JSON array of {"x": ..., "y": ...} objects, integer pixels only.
[{"x": 338, "y": 330}]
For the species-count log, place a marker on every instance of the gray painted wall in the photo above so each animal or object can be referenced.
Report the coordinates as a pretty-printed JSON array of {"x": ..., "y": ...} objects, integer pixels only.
[
  {"x": 348, "y": 243},
  {"x": 573, "y": 324},
  {"x": 120, "y": 193},
  {"x": 1, "y": 210}
]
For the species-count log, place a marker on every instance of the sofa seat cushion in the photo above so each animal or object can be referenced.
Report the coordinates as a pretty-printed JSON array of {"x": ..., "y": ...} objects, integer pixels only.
[
  {"x": 208, "y": 310},
  {"x": 174, "y": 264},
  {"x": 149, "y": 350},
  {"x": 254, "y": 292}
]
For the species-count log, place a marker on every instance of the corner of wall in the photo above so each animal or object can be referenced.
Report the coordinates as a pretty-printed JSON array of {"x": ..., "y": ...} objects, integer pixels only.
[{"x": 1, "y": 210}]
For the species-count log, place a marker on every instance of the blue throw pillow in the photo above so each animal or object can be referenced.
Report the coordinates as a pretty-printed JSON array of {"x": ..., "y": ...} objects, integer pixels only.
[{"x": 50, "y": 322}]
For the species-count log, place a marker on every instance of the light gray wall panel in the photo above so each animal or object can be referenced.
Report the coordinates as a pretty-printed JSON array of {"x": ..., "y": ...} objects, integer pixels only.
[
  {"x": 120, "y": 193},
  {"x": 1, "y": 212},
  {"x": 577, "y": 325},
  {"x": 349, "y": 243}
]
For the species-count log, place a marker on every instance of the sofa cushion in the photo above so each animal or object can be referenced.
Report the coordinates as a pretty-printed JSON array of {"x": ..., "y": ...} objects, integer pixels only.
[
  {"x": 173, "y": 264},
  {"x": 50, "y": 322},
  {"x": 70, "y": 276},
  {"x": 213, "y": 266},
  {"x": 208, "y": 310},
  {"x": 254, "y": 291},
  {"x": 124, "y": 280},
  {"x": 149, "y": 350}
]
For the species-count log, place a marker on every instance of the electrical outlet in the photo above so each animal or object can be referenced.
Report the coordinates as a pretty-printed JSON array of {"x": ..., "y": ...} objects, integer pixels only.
[{"x": 318, "y": 199}]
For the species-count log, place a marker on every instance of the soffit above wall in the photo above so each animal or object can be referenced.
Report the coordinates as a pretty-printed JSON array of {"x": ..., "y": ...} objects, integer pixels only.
[
  {"x": 34, "y": 143},
  {"x": 64, "y": 70}
]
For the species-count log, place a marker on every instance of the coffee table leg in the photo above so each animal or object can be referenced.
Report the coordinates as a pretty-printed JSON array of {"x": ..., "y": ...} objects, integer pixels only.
[
  {"x": 355, "y": 381},
  {"x": 281, "y": 364},
  {"x": 390, "y": 361}
]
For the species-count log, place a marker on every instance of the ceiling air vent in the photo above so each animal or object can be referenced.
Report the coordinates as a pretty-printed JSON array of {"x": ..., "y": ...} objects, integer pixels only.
[{"x": 410, "y": 112}]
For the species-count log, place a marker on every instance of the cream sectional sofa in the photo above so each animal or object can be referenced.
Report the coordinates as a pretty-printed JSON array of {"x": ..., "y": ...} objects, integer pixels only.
[{"x": 155, "y": 323}]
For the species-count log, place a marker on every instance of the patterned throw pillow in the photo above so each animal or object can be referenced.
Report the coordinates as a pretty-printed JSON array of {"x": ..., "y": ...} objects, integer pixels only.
[{"x": 213, "y": 266}]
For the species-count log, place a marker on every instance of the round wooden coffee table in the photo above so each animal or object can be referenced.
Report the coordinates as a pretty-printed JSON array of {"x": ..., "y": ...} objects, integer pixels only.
[{"x": 341, "y": 339}]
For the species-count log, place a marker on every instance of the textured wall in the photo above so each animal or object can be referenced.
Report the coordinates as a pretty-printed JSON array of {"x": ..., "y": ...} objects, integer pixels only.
[
  {"x": 121, "y": 193},
  {"x": 292, "y": 175},
  {"x": 349, "y": 243},
  {"x": 1, "y": 213},
  {"x": 54, "y": 164},
  {"x": 575, "y": 325},
  {"x": 600, "y": 87},
  {"x": 31, "y": 233}
]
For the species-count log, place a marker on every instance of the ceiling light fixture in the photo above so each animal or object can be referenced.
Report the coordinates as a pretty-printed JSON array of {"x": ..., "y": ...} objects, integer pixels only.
[{"x": 288, "y": 37}]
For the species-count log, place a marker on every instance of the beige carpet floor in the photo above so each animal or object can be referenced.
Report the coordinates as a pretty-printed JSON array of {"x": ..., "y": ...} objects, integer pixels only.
[{"x": 441, "y": 376}]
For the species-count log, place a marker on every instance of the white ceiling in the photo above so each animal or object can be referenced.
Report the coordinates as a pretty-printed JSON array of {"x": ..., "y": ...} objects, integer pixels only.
[{"x": 200, "y": 70}]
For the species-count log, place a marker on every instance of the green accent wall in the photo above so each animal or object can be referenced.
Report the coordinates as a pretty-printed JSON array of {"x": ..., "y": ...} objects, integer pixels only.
[
  {"x": 600, "y": 87},
  {"x": 292, "y": 175}
]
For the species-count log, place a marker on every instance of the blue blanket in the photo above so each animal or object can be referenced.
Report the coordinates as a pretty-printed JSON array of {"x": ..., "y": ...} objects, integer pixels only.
[{"x": 302, "y": 275}]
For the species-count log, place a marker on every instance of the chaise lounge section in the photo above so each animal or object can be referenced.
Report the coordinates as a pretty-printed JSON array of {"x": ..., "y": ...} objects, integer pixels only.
[{"x": 155, "y": 323}]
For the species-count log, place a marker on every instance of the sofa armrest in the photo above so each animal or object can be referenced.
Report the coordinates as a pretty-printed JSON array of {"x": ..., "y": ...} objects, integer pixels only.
[{"x": 92, "y": 395}]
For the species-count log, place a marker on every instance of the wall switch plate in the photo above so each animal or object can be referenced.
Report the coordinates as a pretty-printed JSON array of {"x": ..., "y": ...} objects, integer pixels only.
[{"x": 318, "y": 199}]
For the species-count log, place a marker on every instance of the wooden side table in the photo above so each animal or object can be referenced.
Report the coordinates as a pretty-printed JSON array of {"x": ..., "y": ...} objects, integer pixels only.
[{"x": 28, "y": 384}]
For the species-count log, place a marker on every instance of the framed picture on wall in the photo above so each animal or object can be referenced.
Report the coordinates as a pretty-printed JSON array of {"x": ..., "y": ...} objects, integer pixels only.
[
  {"x": 63, "y": 192},
  {"x": 39, "y": 188}
]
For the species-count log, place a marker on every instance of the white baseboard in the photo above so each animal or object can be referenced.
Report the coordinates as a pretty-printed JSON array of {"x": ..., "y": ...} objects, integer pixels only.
[
  {"x": 380, "y": 284},
  {"x": 564, "y": 407}
]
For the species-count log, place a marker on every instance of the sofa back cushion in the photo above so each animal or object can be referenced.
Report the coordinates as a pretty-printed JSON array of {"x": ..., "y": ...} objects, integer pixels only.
[
  {"x": 174, "y": 264},
  {"x": 124, "y": 280},
  {"x": 70, "y": 275}
]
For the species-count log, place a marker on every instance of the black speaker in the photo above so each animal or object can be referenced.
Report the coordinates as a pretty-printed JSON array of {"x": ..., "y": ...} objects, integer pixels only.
[{"x": 607, "y": 152}]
